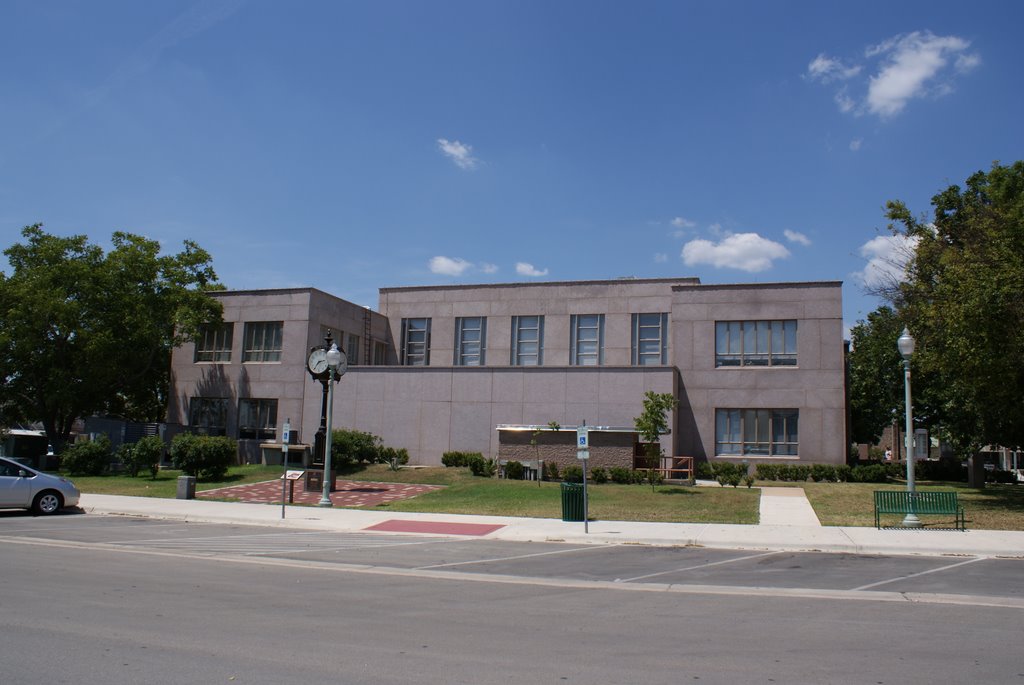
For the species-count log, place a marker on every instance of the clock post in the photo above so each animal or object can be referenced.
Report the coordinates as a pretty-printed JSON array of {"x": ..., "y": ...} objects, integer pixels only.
[{"x": 326, "y": 364}]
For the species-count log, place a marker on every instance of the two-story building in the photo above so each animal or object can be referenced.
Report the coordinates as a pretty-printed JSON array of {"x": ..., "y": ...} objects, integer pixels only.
[{"x": 758, "y": 369}]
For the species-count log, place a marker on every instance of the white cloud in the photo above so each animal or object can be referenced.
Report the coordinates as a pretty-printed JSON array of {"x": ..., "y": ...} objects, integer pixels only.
[
  {"x": 660, "y": 258},
  {"x": 797, "y": 237},
  {"x": 744, "y": 251},
  {"x": 449, "y": 266},
  {"x": 680, "y": 222},
  {"x": 525, "y": 269},
  {"x": 910, "y": 63},
  {"x": 460, "y": 153},
  {"x": 887, "y": 257},
  {"x": 856, "y": 143},
  {"x": 489, "y": 268},
  {"x": 902, "y": 68},
  {"x": 826, "y": 69}
]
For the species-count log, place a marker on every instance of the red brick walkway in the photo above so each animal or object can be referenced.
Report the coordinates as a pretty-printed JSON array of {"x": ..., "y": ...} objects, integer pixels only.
[{"x": 348, "y": 493}]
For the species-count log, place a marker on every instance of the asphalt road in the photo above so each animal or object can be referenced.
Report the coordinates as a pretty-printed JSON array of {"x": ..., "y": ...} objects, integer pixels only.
[{"x": 90, "y": 599}]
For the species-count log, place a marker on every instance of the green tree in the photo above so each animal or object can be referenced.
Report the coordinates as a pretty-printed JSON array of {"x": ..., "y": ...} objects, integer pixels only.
[
  {"x": 963, "y": 301},
  {"x": 83, "y": 331},
  {"x": 876, "y": 375}
]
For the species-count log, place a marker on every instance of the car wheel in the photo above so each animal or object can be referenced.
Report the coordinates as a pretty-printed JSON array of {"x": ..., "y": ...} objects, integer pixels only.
[{"x": 47, "y": 502}]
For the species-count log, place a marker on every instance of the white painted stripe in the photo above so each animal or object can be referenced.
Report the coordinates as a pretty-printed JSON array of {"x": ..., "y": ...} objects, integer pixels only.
[
  {"x": 518, "y": 556},
  {"x": 694, "y": 568},
  {"x": 915, "y": 575}
]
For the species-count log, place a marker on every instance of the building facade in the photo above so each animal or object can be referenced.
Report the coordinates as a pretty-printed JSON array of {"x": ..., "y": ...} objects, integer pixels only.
[{"x": 758, "y": 369}]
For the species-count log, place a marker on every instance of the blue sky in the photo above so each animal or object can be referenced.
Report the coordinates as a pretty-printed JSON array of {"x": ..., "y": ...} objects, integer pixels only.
[{"x": 351, "y": 146}]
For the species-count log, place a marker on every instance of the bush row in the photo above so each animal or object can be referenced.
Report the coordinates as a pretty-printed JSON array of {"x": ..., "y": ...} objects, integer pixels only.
[{"x": 206, "y": 457}]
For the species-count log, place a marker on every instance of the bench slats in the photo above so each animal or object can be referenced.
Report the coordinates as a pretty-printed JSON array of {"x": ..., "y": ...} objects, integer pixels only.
[{"x": 924, "y": 502}]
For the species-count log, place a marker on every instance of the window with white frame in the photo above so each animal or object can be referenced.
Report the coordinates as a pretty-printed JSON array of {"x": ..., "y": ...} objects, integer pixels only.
[
  {"x": 415, "y": 342},
  {"x": 257, "y": 419},
  {"x": 757, "y": 432},
  {"x": 527, "y": 341},
  {"x": 208, "y": 415},
  {"x": 214, "y": 343},
  {"x": 650, "y": 339},
  {"x": 586, "y": 339},
  {"x": 755, "y": 343},
  {"x": 470, "y": 340},
  {"x": 262, "y": 341}
]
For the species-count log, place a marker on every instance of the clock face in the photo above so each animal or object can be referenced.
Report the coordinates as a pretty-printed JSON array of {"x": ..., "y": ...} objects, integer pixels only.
[{"x": 317, "y": 362}]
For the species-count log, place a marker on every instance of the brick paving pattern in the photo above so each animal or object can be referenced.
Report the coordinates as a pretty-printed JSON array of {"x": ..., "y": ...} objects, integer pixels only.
[{"x": 348, "y": 493}]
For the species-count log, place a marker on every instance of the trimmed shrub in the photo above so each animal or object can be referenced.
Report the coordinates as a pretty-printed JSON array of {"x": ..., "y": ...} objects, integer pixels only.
[
  {"x": 767, "y": 471},
  {"x": 704, "y": 471},
  {"x": 90, "y": 458},
  {"x": 823, "y": 473},
  {"x": 203, "y": 456},
  {"x": 143, "y": 455},
  {"x": 620, "y": 474},
  {"x": 394, "y": 457},
  {"x": 485, "y": 468},
  {"x": 551, "y": 471},
  {"x": 514, "y": 470},
  {"x": 843, "y": 473},
  {"x": 655, "y": 477},
  {"x": 599, "y": 475},
  {"x": 457, "y": 459},
  {"x": 572, "y": 474},
  {"x": 748, "y": 480},
  {"x": 349, "y": 445},
  {"x": 875, "y": 473}
]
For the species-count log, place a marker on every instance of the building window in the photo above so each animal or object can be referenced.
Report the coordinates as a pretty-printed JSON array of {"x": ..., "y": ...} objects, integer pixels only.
[
  {"x": 415, "y": 342},
  {"x": 755, "y": 343},
  {"x": 527, "y": 341},
  {"x": 380, "y": 354},
  {"x": 214, "y": 343},
  {"x": 208, "y": 415},
  {"x": 756, "y": 432},
  {"x": 352, "y": 349},
  {"x": 650, "y": 339},
  {"x": 470, "y": 340},
  {"x": 262, "y": 342},
  {"x": 257, "y": 419},
  {"x": 586, "y": 339}
]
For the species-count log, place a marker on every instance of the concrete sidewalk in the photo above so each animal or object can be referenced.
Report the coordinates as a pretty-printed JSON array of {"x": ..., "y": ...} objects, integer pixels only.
[{"x": 782, "y": 537}]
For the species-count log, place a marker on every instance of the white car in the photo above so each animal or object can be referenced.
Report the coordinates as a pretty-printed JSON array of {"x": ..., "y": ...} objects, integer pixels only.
[{"x": 22, "y": 487}]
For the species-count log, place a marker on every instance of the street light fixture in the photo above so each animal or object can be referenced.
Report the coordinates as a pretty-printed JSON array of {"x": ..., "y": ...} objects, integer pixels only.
[
  {"x": 334, "y": 360},
  {"x": 906, "y": 347}
]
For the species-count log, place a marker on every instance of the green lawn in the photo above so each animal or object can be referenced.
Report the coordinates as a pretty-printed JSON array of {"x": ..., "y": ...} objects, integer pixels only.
[
  {"x": 166, "y": 483},
  {"x": 996, "y": 507}
]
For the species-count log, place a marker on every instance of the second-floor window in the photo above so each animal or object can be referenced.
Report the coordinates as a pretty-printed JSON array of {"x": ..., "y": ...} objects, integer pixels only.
[
  {"x": 586, "y": 344},
  {"x": 527, "y": 341},
  {"x": 263, "y": 341},
  {"x": 214, "y": 343},
  {"x": 650, "y": 339},
  {"x": 352, "y": 349},
  {"x": 755, "y": 343},
  {"x": 415, "y": 342},
  {"x": 470, "y": 340}
]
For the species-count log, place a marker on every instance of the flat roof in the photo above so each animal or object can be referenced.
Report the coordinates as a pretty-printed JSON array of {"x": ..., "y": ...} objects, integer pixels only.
[{"x": 682, "y": 280}]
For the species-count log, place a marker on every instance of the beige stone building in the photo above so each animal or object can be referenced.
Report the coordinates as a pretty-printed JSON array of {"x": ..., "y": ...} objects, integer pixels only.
[{"x": 758, "y": 368}]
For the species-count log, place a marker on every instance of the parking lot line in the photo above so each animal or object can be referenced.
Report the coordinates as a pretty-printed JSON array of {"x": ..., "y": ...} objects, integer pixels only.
[
  {"x": 915, "y": 575},
  {"x": 694, "y": 568},
  {"x": 512, "y": 558}
]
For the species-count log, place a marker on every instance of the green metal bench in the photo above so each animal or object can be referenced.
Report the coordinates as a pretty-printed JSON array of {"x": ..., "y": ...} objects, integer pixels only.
[{"x": 942, "y": 502}]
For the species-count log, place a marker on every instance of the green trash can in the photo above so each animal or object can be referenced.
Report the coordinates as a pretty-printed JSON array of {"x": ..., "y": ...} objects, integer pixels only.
[{"x": 572, "y": 501}]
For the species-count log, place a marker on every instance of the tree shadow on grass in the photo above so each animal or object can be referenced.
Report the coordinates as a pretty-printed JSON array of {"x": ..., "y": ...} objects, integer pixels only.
[{"x": 677, "y": 491}]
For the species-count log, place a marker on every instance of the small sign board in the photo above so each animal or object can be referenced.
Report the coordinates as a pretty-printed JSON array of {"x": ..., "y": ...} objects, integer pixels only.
[
  {"x": 583, "y": 455},
  {"x": 293, "y": 475},
  {"x": 582, "y": 438},
  {"x": 286, "y": 434}
]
